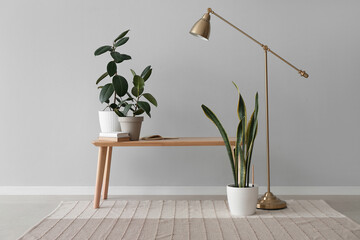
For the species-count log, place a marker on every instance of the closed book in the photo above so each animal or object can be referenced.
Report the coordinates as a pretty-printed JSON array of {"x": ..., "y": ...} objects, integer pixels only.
[
  {"x": 112, "y": 139},
  {"x": 114, "y": 135}
]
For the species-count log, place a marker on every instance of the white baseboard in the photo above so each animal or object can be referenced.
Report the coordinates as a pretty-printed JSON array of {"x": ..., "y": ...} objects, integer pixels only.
[{"x": 174, "y": 190}]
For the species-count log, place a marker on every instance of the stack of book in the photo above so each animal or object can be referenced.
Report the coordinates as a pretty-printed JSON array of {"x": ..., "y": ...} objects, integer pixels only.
[{"x": 114, "y": 137}]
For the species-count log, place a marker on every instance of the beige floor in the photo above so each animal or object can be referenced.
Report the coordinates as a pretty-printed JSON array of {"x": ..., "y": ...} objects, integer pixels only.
[{"x": 19, "y": 213}]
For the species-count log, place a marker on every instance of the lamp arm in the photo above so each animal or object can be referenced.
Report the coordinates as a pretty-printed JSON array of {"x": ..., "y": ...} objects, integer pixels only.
[{"x": 265, "y": 47}]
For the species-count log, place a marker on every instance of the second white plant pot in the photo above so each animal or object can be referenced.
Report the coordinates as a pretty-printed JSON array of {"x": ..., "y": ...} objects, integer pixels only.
[
  {"x": 131, "y": 125},
  {"x": 242, "y": 201},
  {"x": 108, "y": 122}
]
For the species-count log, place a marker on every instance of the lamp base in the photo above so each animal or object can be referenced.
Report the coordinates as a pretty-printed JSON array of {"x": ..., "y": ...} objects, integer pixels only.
[{"x": 270, "y": 201}]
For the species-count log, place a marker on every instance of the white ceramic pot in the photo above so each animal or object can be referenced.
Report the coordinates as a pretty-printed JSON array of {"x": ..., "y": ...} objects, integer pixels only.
[
  {"x": 242, "y": 201},
  {"x": 109, "y": 122},
  {"x": 131, "y": 125}
]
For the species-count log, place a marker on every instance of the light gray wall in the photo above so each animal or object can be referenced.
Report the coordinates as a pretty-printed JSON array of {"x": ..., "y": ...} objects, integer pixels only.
[{"x": 49, "y": 100}]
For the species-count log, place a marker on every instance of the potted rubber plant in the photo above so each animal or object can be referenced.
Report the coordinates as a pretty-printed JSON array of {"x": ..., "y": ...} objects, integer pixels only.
[
  {"x": 242, "y": 196},
  {"x": 112, "y": 92},
  {"x": 138, "y": 103}
]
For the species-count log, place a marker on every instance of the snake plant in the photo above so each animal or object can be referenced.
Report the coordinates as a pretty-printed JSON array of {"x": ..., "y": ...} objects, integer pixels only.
[{"x": 240, "y": 155}]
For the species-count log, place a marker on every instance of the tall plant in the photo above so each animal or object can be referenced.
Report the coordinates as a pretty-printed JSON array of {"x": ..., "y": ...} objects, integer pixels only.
[
  {"x": 118, "y": 85},
  {"x": 115, "y": 94},
  {"x": 240, "y": 156}
]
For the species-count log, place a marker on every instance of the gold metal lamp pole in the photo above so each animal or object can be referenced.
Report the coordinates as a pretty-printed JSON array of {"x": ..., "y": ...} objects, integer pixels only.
[{"x": 202, "y": 29}]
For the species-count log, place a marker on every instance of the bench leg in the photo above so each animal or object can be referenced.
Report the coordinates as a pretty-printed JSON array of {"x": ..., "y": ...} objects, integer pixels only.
[
  {"x": 107, "y": 172},
  {"x": 99, "y": 175}
]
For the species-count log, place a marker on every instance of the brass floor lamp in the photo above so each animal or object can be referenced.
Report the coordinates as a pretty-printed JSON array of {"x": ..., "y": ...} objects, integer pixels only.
[{"x": 202, "y": 29}]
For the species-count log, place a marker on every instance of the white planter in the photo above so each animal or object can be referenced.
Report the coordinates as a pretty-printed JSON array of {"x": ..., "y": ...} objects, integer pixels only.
[
  {"x": 109, "y": 122},
  {"x": 242, "y": 201},
  {"x": 131, "y": 125}
]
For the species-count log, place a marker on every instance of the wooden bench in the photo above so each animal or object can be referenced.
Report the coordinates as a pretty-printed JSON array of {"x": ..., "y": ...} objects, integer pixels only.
[{"x": 105, "y": 152}]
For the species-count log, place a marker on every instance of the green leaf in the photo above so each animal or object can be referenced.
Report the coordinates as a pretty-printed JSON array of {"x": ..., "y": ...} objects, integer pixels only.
[
  {"x": 113, "y": 106},
  {"x": 150, "y": 98},
  {"x": 120, "y": 85},
  {"x": 106, "y": 92},
  {"x": 102, "y": 50},
  {"x": 126, "y": 109},
  {"x": 241, "y": 107},
  {"x": 120, "y": 114},
  {"x": 100, "y": 87},
  {"x": 224, "y": 135},
  {"x": 145, "y": 106},
  {"x": 138, "y": 86},
  {"x": 111, "y": 68},
  {"x": 147, "y": 75},
  {"x": 123, "y": 34},
  {"x": 138, "y": 112},
  {"x": 133, "y": 72},
  {"x": 122, "y": 41},
  {"x": 124, "y": 57},
  {"x": 102, "y": 77},
  {"x": 116, "y": 56},
  {"x": 137, "y": 91},
  {"x": 145, "y": 71}
]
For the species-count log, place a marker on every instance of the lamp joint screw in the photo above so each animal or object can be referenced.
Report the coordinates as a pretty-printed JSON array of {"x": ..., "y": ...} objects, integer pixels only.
[
  {"x": 265, "y": 47},
  {"x": 210, "y": 10}
]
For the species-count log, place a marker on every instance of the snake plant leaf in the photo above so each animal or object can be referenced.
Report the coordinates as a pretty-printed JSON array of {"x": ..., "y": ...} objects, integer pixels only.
[
  {"x": 239, "y": 134},
  {"x": 102, "y": 50},
  {"x": 248, "y": 161},
  {"x": 111, "y": 68},
  {"x": 120, "y": 85},
  {"x": 123, "y": 34},
  {"x": 224, "y": 135},
  {"x": 102, "y": 77},
  {"x": 240, "y": 150},
  {"x": 138, "y": 112},
  {"x": 121, "y": 41},
  {"x": 150, "y": 98},
  {"x": 145, "y": 106},
  {"x": 241, "y": 106},
  {"x": 106, "y": 92},
  {"x": 133, "y": 72},
  {"x": 120, "y": 114}
]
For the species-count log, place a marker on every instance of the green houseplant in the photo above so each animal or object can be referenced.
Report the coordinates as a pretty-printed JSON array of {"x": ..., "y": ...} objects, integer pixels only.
[
  {"x": 116, "y": 95},
  {"x": 240, "y": 156}
]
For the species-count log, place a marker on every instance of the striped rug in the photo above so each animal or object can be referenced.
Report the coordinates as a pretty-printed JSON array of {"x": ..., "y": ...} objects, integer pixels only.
[{"x": 197, "y": 220}]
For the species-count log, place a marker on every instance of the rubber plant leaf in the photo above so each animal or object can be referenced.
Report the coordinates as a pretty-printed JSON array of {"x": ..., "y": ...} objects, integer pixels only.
[
  {"x": 145, "y": 106},
  {"x": 121, "y": 41},
  {"x": 102, "y": 77},
  {"x": 106, "y": 92},
  {"x": 123, "y": 34},
  {"x": 120, "y": 85},
  {"x": 116, "y": 56},
  {"x": 102, "y": 50},
  {"x": 111, "y": 68},
  {"x": 150, "y": 98}
]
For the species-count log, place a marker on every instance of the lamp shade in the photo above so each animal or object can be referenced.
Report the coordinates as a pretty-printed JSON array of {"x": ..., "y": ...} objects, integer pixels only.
[{"x": 201, "y": 28}]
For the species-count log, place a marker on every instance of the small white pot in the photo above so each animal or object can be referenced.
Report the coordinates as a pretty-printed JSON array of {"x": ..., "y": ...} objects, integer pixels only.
[
  {"x": 242, "y": 201},
  {"x": 108, "y": 121},
  {"x": 131, "y": 125}
]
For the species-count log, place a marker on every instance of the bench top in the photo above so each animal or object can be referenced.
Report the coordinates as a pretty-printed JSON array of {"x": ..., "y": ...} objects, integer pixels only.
[{"x": 181, "y": 141}]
